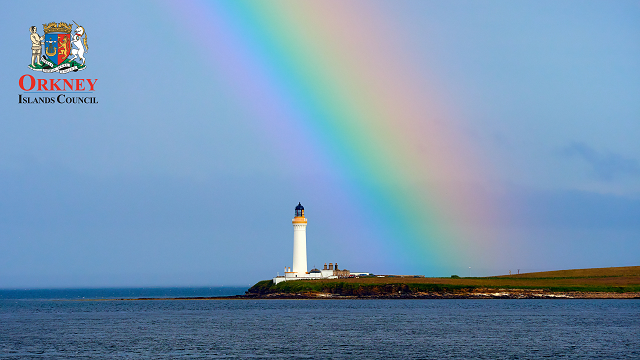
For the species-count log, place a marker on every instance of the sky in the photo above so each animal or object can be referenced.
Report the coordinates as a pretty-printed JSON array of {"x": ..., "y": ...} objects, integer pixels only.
[{"x": 422, "y": 137}]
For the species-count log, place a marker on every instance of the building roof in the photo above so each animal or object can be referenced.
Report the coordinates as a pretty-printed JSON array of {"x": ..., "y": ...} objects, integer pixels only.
[{"x": 299, "y": 207}]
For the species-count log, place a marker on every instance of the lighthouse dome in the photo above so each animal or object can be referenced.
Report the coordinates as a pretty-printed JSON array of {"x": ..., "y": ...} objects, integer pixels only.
[{"x": 299, "y": 210}]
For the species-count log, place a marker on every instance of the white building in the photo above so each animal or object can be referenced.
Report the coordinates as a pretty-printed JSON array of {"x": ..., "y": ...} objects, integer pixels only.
[{"x": 299, "y": 269}]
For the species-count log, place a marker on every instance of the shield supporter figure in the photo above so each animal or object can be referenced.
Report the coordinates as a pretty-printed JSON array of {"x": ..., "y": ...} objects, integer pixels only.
[{"x": 57, "y": 42}]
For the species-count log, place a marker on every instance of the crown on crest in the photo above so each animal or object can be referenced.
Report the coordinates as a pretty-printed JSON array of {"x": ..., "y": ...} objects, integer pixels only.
[{"x": 52, "y": 27}]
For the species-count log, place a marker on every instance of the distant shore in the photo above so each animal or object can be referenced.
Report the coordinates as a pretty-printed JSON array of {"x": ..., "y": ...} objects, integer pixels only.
[
  {"x": 598, "y": 283},
  {"x": 482, "y": 294}
]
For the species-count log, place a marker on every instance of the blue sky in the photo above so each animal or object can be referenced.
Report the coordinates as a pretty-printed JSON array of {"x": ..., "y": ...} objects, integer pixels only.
[{"x": 168, "y": 180}]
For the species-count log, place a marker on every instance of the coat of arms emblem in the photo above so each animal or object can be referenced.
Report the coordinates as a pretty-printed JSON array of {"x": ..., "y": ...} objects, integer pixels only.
[{"x": 60, "y": 49}]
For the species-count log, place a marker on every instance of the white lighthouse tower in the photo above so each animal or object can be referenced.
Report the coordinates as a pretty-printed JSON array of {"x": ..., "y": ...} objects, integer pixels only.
[
  {"x": 299, "y": 269},
  {"x": 299, "y": 243}
]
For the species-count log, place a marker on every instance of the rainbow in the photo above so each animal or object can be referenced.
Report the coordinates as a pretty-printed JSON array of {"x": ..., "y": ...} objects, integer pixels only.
[{"x": 336, "y": 74}]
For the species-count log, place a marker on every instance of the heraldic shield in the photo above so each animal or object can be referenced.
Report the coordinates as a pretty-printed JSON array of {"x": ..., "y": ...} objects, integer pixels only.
[
  {"x": 57, "y": 47},
  {"x": 57, "y": 42}
]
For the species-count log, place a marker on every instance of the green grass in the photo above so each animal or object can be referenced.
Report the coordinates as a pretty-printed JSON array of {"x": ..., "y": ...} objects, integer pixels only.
[{"x": 613, "y": 280}]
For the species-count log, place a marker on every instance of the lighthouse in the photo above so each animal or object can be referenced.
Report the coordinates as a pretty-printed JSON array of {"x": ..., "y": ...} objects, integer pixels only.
[
  {"x": 299, "y": 269},
  {"x": 299, "y": 242}
]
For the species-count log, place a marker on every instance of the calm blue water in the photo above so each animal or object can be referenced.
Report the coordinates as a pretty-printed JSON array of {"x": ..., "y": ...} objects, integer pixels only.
[
  {"x": 124, "y": 293},
  {"x": 318, "y": 329}
]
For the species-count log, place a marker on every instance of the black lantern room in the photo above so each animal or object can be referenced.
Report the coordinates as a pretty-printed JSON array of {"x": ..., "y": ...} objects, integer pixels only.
[{"x": 299, "y": 210}]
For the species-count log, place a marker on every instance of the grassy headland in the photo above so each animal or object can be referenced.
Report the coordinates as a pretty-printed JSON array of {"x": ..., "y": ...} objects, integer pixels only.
[{"x": 600, "y": 280}]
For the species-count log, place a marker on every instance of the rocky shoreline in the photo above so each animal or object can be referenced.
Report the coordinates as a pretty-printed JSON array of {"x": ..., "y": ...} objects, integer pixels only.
[{"x": 475, "y": 294}]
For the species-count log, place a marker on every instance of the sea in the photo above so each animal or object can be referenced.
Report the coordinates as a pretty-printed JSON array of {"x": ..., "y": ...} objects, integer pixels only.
[{"x": 93, "y": 324}]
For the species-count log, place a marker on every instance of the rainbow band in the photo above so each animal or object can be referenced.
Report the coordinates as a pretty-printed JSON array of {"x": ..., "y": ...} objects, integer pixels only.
[{"x": 334, "y": 72}]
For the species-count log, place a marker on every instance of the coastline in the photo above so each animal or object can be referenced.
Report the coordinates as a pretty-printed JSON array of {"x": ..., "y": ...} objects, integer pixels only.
[
  {"x": 594, "y": 283},
  {"x": 597, "y": 283},
  {"x": 478, "y": 294}
]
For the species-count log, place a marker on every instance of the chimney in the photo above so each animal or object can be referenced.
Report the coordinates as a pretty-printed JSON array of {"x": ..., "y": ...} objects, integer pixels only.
[
  {"x": 330, "y": 266},
  {"x": 325, "y": 266},
  {"x": 336, "y": 266}
]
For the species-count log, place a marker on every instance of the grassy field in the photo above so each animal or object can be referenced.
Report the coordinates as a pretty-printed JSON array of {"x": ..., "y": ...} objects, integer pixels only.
[{"x": 617, "y": 279}]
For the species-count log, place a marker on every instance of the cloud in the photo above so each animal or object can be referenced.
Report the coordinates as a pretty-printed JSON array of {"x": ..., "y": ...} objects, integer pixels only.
[{"x": 604, "y": 166}]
